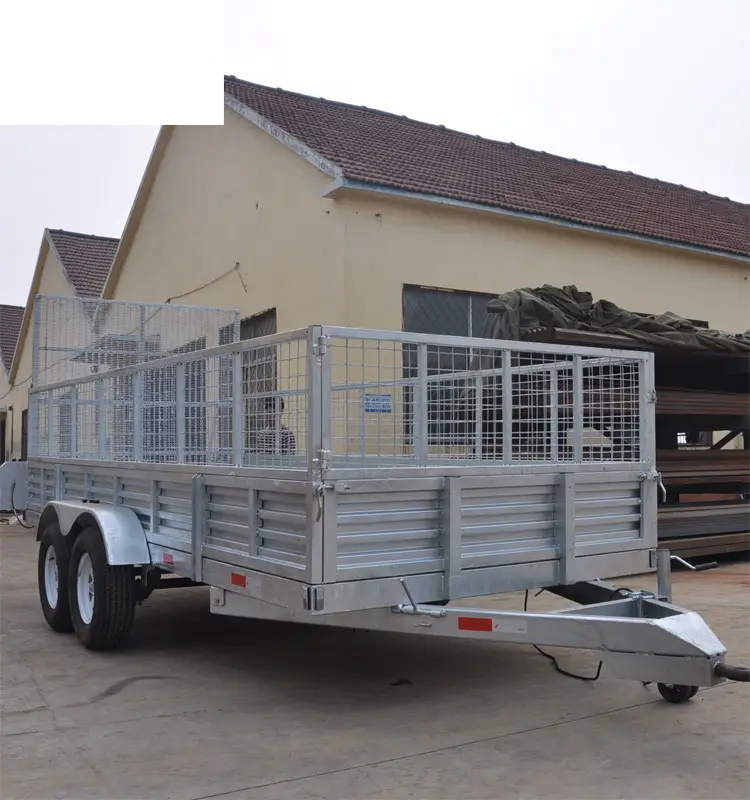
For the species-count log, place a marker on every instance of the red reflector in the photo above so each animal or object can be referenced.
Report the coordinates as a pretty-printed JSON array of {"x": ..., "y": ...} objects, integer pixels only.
[
  {"x": 239, "y": 580},
  {"x": 168, "y": 559},
  {"x": 475, "y": 624}
]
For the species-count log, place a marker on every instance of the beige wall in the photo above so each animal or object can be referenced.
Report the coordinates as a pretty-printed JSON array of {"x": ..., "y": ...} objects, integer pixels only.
[
  {"x": 391, "y": 242},
  {"x": 5, "y": 395},
  {"x": 4, "y": 388},
  {"x": 230, "y": 194},
  {"x": 52, "y": 282}
]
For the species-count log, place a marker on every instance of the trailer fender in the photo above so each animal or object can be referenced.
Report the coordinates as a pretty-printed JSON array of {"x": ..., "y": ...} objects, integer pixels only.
[{"x": 122, "y": 532}]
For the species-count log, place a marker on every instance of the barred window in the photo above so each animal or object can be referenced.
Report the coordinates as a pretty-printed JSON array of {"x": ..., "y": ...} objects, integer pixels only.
[
  {"x": 442, "y": 312},
  {"x": 258, "y": 380}
]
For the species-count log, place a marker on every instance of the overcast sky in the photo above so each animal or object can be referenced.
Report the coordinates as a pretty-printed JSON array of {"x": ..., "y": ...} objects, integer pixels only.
[{"x": 657, "y": 87}]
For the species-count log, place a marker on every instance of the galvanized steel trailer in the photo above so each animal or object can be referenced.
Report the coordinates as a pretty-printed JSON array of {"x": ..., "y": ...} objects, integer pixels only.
[{"x": 366, "y": 479}]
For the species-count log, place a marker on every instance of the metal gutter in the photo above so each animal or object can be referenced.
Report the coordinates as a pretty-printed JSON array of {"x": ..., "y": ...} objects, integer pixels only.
[{"x": 361, "y": 186}]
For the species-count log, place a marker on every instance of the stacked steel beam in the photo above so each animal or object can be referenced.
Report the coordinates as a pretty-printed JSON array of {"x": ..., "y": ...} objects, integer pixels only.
[
  {"x": 689, "y": 402},
  {"x": 689, "y": 467},
  {"x": 715, "y": 482},
  {"x": 703, "y": 520}
]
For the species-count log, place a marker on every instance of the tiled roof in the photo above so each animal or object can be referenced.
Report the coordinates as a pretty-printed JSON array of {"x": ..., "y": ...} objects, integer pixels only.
[
  {"x": 85, "y": 258},
  {"x": 10, "y": 326},
  {"x": 384, "y": 149}
]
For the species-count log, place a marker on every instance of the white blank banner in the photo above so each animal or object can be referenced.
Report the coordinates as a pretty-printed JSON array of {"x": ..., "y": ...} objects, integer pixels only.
[{"x": 111, "y": 62}]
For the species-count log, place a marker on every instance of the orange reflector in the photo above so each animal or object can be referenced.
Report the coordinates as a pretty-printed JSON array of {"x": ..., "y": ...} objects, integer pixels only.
[
  {"x": 239, "y": 580},
  {"x": 475, "y": 624}
]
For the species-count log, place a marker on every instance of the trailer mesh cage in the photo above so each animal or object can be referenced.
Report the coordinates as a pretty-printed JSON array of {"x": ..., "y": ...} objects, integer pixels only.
[
  {"x": 76, "y": 337},
  {"x": 343, "y": 397}
]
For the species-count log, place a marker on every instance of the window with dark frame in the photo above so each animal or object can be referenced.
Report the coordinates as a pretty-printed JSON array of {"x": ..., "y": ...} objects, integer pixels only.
[
  {"x": 258, "y": 374},
  {"x": 25, "y": 435},
  {"x": 258, "y": 378},
  {"x": 695, "y": 439},
  {"x": 442, "y": 312}
]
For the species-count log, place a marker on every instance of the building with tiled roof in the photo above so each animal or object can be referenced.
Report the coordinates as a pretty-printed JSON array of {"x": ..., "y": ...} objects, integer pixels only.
[
  {"x": 343, "y": 214},
  {"x": 10, "y": 327},
  {"x": 300, "y": 210},
  {"x": 85, "y": 258},
  {"x": 68, "y": 264},
  {"x": 378, "y": 149}
]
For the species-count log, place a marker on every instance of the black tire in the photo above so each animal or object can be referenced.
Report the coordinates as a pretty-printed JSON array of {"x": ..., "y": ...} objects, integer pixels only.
[
  {"x": 676, "y": 692},
  {"x": 108, "y": 624},
  {"x": 56, "y": 609}
]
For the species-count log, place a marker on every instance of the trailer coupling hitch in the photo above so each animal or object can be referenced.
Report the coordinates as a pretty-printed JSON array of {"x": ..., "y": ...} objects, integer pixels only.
[{"x": 732, "y": 673}]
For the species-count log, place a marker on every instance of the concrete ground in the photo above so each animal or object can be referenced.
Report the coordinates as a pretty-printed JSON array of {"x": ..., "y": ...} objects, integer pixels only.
[{"x": 203, "y": 707}]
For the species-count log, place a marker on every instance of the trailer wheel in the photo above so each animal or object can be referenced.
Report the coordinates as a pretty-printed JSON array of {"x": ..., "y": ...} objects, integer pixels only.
[
  {"x": 676, "y": 692},
  {"x": 102, "y": 597},
  {"x": 52, "y": 577}
]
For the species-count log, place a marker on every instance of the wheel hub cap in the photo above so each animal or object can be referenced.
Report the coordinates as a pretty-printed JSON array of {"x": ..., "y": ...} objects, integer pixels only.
[
  {"x": 51, "y": 577},
  {"x": 85, "y": 588}
]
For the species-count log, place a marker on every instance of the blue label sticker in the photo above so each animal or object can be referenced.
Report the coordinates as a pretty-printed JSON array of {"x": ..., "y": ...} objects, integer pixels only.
[{"x": 378, "y": 403}]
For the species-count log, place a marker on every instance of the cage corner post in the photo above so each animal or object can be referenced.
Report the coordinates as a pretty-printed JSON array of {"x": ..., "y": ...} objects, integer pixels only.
[{"x": 319, "y": 412}]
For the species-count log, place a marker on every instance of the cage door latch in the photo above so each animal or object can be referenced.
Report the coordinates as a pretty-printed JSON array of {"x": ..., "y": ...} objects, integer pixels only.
[{"x": 655, "y": 475}]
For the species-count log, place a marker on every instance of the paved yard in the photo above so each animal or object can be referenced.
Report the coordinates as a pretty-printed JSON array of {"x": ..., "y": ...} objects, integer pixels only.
[{"x": 202, "y": 707}]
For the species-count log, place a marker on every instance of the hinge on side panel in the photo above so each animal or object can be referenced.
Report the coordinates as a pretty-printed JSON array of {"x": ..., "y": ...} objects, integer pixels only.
[
  {"x": 314, "y": 599},
  {"x": 320, "y": 348},
  {"x": 320, "y": 462},
  {"x": 651, "y": 396}
]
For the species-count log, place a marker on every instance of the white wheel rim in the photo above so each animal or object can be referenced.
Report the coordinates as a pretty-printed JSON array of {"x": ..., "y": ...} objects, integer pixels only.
[
  {"x": 85, "y": 589},
  {"x": 51, "y": 577}
]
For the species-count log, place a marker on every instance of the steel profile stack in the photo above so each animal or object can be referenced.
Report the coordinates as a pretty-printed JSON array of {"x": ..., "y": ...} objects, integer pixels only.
[{"x": 707, "y": 508}]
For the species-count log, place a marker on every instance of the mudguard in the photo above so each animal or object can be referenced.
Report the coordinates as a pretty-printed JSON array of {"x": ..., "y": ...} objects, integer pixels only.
[{"x": 122, "y": 532}]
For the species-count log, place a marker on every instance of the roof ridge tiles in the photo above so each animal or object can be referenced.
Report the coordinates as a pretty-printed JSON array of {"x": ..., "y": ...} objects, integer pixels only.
[{"x": 383, "y": 148}]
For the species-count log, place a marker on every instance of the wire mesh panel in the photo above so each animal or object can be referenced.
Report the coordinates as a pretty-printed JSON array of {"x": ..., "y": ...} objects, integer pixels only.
[
  {"x": 370, "y": 399},
  {"x": 75, "y": 337},
  {"x": 39, "y": 439},
  {"x": 240, "y": 404},
  {"x": 275, "y": 403},
  {"x": 410, "y": 399}
]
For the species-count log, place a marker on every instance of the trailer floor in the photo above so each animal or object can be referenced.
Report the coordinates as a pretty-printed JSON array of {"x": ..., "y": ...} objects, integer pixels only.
[{"x": 202, "y": 707}]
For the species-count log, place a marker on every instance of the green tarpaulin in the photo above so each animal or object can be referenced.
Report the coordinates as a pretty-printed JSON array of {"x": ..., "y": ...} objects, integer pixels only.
[{"x": 513, "y": 314}]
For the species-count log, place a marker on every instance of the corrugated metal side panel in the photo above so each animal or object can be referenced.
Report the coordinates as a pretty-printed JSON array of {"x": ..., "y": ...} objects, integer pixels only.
[
  {"x": 282, "y": 531},
  {"x": 102, "y": 488},
  {"x": 73, "y": 484},
  {"x": 388, "y": 532},
  {"x": 34, "y": 501},
  {"x": 227, "y": 519},
  {"x": 607, "y": 512},
  {"x": 507, "y": 524},
  {"x": 135, "y": 493},
  {"x": 48, "y": 484},
  {"x": 174, "y": 514}
]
